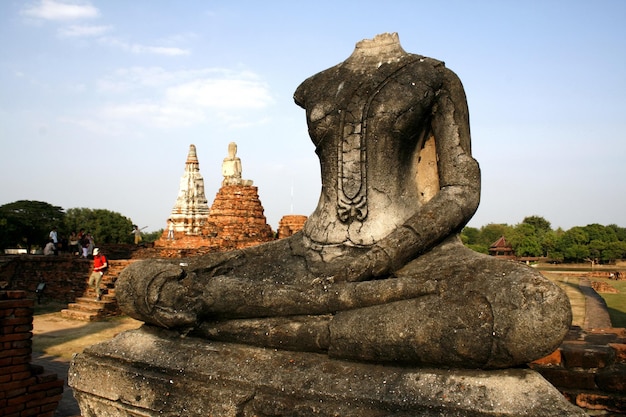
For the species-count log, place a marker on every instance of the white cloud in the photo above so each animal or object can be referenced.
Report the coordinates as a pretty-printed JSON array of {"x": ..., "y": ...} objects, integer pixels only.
[
  {"x": 159, "y": 50},
  {"x": 221, "y": 93},
  {"x": 65, "y": 10},
  {"x": 157, "y": 114},
  {"x": 143, "y": 49},
  {"x": 126, "y": 79},
  {"x": 76, "y": 31},
  {"x": 60, "y": 10},
  {"x": 161, "y": 98}
]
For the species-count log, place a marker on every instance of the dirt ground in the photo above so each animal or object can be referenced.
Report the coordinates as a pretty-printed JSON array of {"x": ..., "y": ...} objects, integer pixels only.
[
  {"x": 57, "y": 339},
  {"x": 58, "y": 336}
]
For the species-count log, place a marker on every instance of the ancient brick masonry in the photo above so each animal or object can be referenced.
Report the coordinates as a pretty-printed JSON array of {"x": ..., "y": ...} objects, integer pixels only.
[
  {"x": 589, "y": 368},
  {"x": 290, "y": 224},
  {"x": 65, "y": 277},
  {"x": 236, "y": 221},
  {"x": 25, "y": 389}
]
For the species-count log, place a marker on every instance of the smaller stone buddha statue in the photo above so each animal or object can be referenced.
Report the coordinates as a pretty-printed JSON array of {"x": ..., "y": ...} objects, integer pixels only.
[{"x": 231, "y": 168}]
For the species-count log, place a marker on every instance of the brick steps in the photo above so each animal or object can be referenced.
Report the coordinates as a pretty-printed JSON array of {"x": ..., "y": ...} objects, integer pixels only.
[{"x": 87, "y": 308}]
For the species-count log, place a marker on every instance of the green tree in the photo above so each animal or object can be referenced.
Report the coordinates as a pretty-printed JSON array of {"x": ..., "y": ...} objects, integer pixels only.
[
  {"x": 106, "y": 226},
  {"x": 540, "y": 224},
  {"x": 471, "y": 237},
  {"x": 602, "y": 233},
  {"x": 620, "y": 232},
  {"x": 535, "y": 237},
  {"x": 576, "y": 253},
  {"x": 596, "y": 248},
  {"x": 573, "y": 245},
  {"x": 525, "y": 240},
  {"x": 152, "y": 236},
  {"x": 574, "y": 236},
  {"x": 613, "y": 251},
  {"x": 27, "y": 223},
  {"x": 492, "y": 232},
  {"x": 549, "y": 242}
]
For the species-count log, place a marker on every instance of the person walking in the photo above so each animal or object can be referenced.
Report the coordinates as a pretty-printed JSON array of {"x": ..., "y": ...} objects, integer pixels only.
[
  {"x": 137, "y": 232},
  {"x": 73, "y": 244},
  {"x": 100, "y": 265},
  {"x": 170, "y": 229},
  {"x": 84, "y": 245},
  {"x": 54, "y": 237}
]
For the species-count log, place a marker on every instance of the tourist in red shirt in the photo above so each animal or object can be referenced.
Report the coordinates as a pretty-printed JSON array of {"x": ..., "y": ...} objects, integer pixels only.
[{"x": 100, "y": 265}]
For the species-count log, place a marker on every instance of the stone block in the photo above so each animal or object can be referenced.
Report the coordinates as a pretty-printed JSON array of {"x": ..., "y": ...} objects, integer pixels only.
[
  {"x": 620, "y": 351},
  {"x": 601, "y": 339},
  {"x": 586, "y": 356},
  {"x": 612, "y": 379},
  {"x": 567, "y": 378},
  {"x": 152, "y": 372}
]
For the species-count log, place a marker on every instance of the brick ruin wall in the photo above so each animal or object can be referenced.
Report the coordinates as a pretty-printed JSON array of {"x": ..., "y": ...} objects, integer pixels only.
[
  {"x": 290, "y": 224},
  {"x": 589, "y": 368},
  {"x": 25, "y": 389},
  {"x": 65, "y": 277}
]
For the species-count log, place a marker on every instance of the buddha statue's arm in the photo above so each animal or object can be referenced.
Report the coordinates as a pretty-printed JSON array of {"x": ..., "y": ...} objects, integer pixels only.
[{"x": 453, "y": 205}]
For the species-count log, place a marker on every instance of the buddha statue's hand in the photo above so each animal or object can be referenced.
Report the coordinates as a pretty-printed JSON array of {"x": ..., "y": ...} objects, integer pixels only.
[
  {"x": 159, "y": 293},
  {"x": 372, "y": 264}
]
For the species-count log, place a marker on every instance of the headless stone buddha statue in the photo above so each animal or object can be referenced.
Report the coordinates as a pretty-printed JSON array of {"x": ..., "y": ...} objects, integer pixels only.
[{"x": 378, "y": 272}]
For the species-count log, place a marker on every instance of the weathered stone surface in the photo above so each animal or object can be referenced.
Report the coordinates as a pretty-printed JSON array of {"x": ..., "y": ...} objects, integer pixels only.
[
  {"x": 482, "y": 312},
  {"x": 152, "y": 372}
]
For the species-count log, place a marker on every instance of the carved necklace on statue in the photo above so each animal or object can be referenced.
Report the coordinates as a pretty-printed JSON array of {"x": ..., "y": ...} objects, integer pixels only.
[{"x": 352, "y": 147}]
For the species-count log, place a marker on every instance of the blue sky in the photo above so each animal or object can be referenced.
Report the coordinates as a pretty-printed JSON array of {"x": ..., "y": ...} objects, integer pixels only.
[{"x": 100, "y": 100}]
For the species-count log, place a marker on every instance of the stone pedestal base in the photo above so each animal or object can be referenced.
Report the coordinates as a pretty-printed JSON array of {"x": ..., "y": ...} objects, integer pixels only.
[{"x": 154, "y": 372}]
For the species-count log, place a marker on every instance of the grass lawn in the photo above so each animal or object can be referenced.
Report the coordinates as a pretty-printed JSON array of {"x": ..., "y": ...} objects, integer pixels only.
[{"x": 615, "y": 302}]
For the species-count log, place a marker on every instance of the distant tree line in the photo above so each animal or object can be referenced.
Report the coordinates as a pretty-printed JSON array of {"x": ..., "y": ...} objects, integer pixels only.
[
  {"x": 27, "y": 224},
  {"x": 534, "y": 237}
]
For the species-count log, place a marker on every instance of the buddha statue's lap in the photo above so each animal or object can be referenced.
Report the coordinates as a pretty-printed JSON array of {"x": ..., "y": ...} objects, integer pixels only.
[
  {"x": 450, "y": 306},
  {"x": 378, "y": 272}
]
